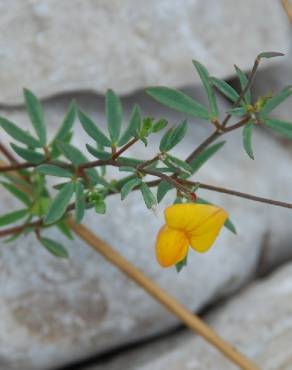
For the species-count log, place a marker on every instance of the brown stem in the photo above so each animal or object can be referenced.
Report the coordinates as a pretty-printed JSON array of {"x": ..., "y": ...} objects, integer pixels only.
[
  {"x": 7, "y": 154},
  {"x": 124, "y": 148},
  {"x": 18, "y": 229}
]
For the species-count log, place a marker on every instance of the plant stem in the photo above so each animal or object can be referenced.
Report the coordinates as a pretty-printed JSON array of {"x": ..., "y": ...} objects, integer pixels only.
[{"x": 171, "y": 304}]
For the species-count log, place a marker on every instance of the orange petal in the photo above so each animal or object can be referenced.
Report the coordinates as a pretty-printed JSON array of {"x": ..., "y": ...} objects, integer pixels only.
[
  {"x": 202, "y": 238},
  {"x": 189, "y": 216},
  {"x": 171, "y": 246}
]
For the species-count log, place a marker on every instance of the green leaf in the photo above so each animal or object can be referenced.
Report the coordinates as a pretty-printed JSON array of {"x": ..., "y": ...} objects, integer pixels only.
[
  {"x": 65, "y": 229},
  {"x": 228, "y": 223},
  {"x": 126, "y": 161},
  {"x": 17, "y": 192},
  {"x": 243, "y": 82},
  {"x": 73, "y": 154},
  {"x": 283, "y": 128},
  {"x": 129, "y": 186},
  {"x": 163, "y": 188},
  {"x": 54, "y": 247},
  {"x": 181, "y": 264},
  {"x": 276, "y": 100},
  {"x": 173, "y": 136},
  {"x": 67, "y": 123},
  {"x": 159, "y": 125},
  {"x": 148, "y": 197},
  {"x": 28, "y": 155},
  {"x": 205, "y": 155},
  {"x": 270, "y": 54},
  {"x": 127, "y": 169},
  {"x": 133, "y": 127},
  {"x": 36, "y": 115},
  {"x": 92, "y": 130},
  {"x": 179, "y": 101},
  {"x": 114, "y": 115},
  {"x": 181, "y": 164},
  {"x": 225, "y": 89},
  {"x": 12, "y": 217},
  {"x": 237, "y": 112},
  {"x": 79, "y": 202},
  {"x": 100, "y": 206},
  {"x": 52, "y": 170},
  {"x": 247, "y": 138},
  {"x": 100, "y": 154},
  {"x": 205, "y": 78},
  {"x": 19, "y": 134},
  {"x": 59, "y": 204}
]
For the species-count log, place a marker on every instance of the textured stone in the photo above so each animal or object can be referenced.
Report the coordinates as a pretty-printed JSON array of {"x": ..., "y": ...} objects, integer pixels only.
[
  {"x": 61, "y": 46},
  {"x": 54, "y": 312}
]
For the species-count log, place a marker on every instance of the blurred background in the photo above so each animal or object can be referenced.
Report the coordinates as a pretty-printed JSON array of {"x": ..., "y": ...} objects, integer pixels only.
[{"x": 84, "y": 314}]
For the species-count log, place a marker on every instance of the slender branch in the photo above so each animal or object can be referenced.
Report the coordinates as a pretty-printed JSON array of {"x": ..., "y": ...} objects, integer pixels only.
[
  {"x": 7, "y": 154},
  {"x": 18, "y": 229},
  {"x": 125, "y": 147}
]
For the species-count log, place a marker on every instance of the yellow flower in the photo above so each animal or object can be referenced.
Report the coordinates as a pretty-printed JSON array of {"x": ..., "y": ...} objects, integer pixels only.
[{"x": 188, "y": 224}]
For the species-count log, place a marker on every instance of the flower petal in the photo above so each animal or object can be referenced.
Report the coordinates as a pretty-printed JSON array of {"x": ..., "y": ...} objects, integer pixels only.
[
  {"x": 189, "y": 216},
  {"x": 202, "y": 238},
  {"x": 171, "y": 246}
]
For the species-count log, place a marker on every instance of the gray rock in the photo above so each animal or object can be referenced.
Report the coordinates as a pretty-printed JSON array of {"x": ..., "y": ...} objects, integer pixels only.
[
  {"x": 54, "y": 312},
  {"x": 59, "y": 46}
]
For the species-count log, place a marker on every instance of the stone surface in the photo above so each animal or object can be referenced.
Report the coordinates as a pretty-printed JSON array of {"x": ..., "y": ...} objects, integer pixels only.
[
  {"x": 54, "y": 312},
  {"x": 59, "y": 46}
]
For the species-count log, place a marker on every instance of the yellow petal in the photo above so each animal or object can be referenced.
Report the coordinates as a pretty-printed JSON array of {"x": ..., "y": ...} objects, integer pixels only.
[
  {"x": 171, "y": 246},
  {"x": 202, "y": 238},
  {"x": 189, "y": 216}
]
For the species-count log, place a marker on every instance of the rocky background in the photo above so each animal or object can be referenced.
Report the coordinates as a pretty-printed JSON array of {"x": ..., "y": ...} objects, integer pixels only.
[{"x": 82, "y": 313}]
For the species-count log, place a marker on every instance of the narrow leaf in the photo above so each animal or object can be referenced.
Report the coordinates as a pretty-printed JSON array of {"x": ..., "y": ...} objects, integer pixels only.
[
  {"x": 65, "y": 229},
  {"x": 181, "y": 164},
  {"x": 92, "y": 130},
  {"x": 67, "y": 123},
  {"x": 163, "y": 188},
  {"x": 114, "y": 115},
  {"x": 52, "y": 170},
  {"x": 19, "y": 134},
  {"x": 283, "y": 128},
  {"x": 243, "y": 82},
  {"x": 28, "y": 155},
  {"x": 205, "y": 155},
  {"x": 148, "y": 197},
  {"x": 159, "y": 125},
  {"x": 225, "y": 89},
  {"x": 276, "y": 100},
  {"x": 270, "y": 54},
  {"x": 179, "y": 101},
  {"x": 133, "y": 127},
  {"x": 129, "y": 186},
  {"x": 17, "y": 192},
  {"x": 181, "y": 264},
  {"x": 36, "y": 115},
  {"x": 205, "y": 78},
  {"x": 237, "y": 112},
  {"x": 59, "y": 204},
  {"x": 79, "y": 202},
  {"x": 100, "y": 207},
  {"x": 73, "y": 154},
  {"x": 247, "y": 139},
  {"x": 173, "y": 136},
  {"x": 54, "y": 247},
  {"x": 100, "y": 154},
  {"x": 12, "y": 217}
]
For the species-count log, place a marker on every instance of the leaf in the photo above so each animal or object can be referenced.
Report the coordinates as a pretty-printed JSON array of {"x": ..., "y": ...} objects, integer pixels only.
[
  {"x": 59, "y": 204},
  {"x": 148, "y": 197},
  {"x": 12, "y": 217},
  {"x": 225, "y": 89},
  {"x": 19, "y": 134},
  {"x": 100, "y": 206},
  {"x": 181, "y": 264},
  {"x": 65, "y": 229},
  {"x": 73, "y": 154},
  {"x": 127, "y": 169},
  {"x": 181, "y": 164},
  {"x": 243, "y": 82},
  {"x": 79, "y": 202},
  {"x": 205, "y": 78},
  {"x": 205, "y": 155},
  {"x": 270, "y": 54},
  {"x": 133, "y": 127},
  {"x": 114, "y": 115},
  {"x": 36, "y": 115},
  {"x": 283, "y": 128},
  {"x": 276, "y": 100},
  {"x": 54, "y": 247},
  {"x": 126, "y": 161},
  {"x": 129, "y": 186},
  {"x": 173, "y": 136},
  {"x": 17, "y": 192},
  {"x": 52, "y": 170},
  {"x": 228, "y": 223},
  {"x": 163, "y": 188},
  {"x": 67, "y": 123},
  {"x": 100, "y": 154},
  {"x": 179, "y": 101},
  {"x": 28, "y": 155},
  {"x": 92, "y": 130},
  {"x": 237, "y": 112},
  {"x": 159, "y": 125},
  {"x": 247, "y": 137}
]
